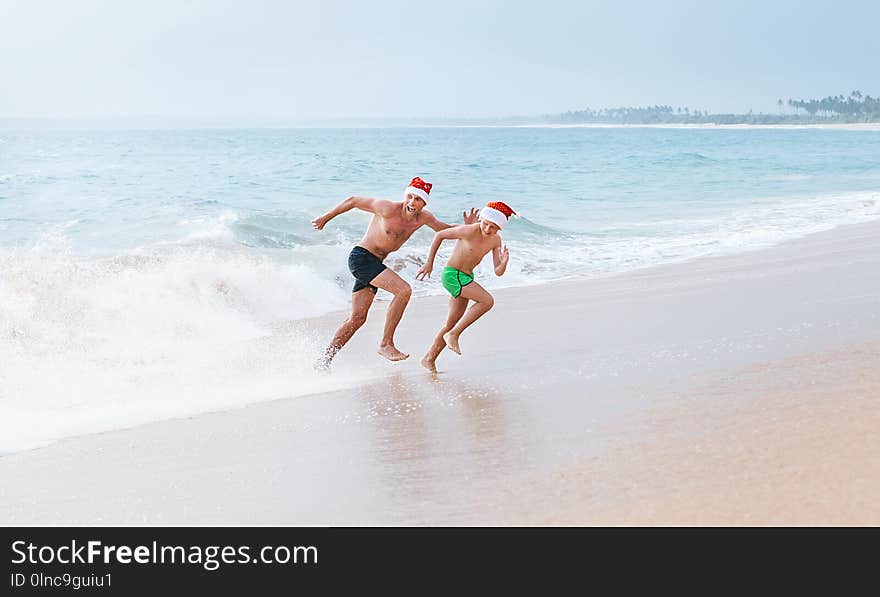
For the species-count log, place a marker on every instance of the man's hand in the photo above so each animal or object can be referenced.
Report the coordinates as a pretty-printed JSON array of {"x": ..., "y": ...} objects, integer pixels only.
[
  {"x": 319, "y": 222},
  {"x": 470, "y": 218},
  {"x": 424, "y": 271}
]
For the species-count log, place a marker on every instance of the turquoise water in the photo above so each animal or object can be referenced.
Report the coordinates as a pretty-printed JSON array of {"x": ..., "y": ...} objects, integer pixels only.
[
  {"x": 594, "y": 200},
  {"x": 151, "y": 273}
]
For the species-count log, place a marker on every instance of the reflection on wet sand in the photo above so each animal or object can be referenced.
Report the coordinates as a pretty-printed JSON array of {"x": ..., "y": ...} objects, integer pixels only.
[{"x": 436, "y": 443}]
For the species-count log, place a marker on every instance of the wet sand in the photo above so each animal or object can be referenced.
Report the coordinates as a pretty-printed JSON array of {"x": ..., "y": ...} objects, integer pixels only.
[
  {"x": 730, "y": 390},
  {"x": 791, "y": 442}
]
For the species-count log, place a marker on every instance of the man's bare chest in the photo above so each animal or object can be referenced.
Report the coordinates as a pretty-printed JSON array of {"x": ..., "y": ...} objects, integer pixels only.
[{"x": 397, "y": 230}]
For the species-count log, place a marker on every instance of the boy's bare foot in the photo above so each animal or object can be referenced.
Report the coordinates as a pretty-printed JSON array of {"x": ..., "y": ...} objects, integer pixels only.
[
  {"x": 429, "y": 365},
  {"x": 391, "y": 353},
  {"x": 451, "y": 342}
]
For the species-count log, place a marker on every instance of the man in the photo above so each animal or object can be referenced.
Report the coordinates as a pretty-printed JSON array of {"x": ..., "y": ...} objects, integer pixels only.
[{"x": 392, "y": 225}]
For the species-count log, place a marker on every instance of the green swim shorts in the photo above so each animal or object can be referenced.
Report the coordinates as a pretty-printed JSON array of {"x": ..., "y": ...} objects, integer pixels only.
[{"x": 454, "y": 280}]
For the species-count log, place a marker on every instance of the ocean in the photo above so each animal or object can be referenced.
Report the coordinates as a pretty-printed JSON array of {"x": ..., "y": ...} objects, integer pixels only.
[{"x": 146, "y": 274}]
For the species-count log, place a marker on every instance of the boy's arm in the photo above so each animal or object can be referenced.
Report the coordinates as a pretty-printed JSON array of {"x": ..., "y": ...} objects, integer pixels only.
[
  {"x": 455, "y": 232},
  {"x": 500, "y": 258},
  {"x": 363, "y": 203},
  {"x": 436, "y": 225}
]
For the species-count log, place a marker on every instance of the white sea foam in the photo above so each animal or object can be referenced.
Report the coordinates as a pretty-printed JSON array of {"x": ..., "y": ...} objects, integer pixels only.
[
  {"x": 93, "y": 343},
  {"x": 89, "y": 344},
  {"x": 626, "y": 246}
]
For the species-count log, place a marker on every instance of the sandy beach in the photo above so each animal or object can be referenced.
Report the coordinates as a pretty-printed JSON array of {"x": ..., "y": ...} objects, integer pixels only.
[{"x": 740, "y": 389}]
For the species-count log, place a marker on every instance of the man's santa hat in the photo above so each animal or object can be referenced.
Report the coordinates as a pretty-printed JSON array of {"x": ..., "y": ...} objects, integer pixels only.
[
  {"x": 419, "y": 188},
  {"x": 497, "y": 212}
]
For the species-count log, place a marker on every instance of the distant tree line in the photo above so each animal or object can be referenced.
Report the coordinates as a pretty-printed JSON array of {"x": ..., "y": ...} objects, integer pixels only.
[
  {"x": 861, "y": 108},
  {"x": 855, "y": 107}
]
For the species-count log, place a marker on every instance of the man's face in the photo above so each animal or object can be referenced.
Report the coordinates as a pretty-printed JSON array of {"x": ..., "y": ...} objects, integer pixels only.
[
  {"x": 413, "y": 204},
  {"x": 489, "y": 228}
]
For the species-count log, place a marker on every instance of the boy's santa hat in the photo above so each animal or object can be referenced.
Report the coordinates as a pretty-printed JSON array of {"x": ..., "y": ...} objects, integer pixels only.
[
  {"x": 497, "y": 212},
  {"x": 419, "y": 188}
]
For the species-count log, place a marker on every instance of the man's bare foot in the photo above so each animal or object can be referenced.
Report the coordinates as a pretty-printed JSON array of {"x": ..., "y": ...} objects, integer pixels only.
[
  {"x": 322, "y": 363},
  {"x": 429, "y": 365},
  {"x": 391, "y": 353},
  {"x": 451, "y": 342}
]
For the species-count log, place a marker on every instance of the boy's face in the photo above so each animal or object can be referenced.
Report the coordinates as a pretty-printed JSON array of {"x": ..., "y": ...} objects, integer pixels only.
[
  {"x": 489, "y": 228},
  {"x": 413, "y": 204}
]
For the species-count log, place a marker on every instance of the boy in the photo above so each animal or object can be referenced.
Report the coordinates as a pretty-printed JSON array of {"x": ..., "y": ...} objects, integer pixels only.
[{"x": 474, "y": 241}]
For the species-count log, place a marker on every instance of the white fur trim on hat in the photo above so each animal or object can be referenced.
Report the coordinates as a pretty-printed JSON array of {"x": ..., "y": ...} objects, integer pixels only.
[
  {"x": 493, "y": 215},
  {"x": 415, "y": 191}
]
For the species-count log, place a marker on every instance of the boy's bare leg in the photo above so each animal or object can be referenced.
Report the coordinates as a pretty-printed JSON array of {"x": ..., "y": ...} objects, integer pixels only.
[
  {"x": 483, "y": 301},
  {"x": 390, "y": 281},
  {"x": 457, "y": 307},
  {"x": 360, "y": 306}
]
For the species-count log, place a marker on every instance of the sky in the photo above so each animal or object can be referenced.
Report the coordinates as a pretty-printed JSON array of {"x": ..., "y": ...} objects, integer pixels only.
[{"x": 266, "y": 61}]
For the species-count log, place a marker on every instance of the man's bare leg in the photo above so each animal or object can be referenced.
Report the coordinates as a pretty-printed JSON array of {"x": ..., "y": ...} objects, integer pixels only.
[
  {"x": 360, "y": 306},
  {"x": 483, "y": 301},
  {"x": 457, "y": 306},
  {"x": 390, "y": 281}
]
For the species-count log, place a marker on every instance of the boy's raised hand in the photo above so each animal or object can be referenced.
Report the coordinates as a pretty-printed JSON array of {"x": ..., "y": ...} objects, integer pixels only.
[
  {"x": 504, "y": 255},
  {"x": 424, "y": 271},
  {"x": 470, "y": 218}
]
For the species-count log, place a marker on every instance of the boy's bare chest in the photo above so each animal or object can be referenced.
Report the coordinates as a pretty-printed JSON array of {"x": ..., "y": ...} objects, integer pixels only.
[{"x": 476, "y": 247}]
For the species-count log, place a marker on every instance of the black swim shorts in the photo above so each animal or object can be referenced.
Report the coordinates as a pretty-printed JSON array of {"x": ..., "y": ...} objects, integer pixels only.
[{"x": 364, "y": 267}]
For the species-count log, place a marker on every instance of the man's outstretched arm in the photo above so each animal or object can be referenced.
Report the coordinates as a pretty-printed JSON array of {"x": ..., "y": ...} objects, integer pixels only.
[
  {"x": 362, "y": 203},
  {"x": 436, "y": 225}
]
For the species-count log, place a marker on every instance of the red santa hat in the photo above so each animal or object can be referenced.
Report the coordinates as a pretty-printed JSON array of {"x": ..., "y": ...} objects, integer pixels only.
[
  {"x": 418, "y": 187},
  {"x": 497, "y": 212}
]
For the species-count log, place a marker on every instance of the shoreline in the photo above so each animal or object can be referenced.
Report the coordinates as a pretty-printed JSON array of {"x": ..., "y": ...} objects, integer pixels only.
[
  {"x": 839, "y": 126},
  {"x": 318, "y": 328},
  {"x": 11, "y": 126},
  {"x": 606, "y": 359}
]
